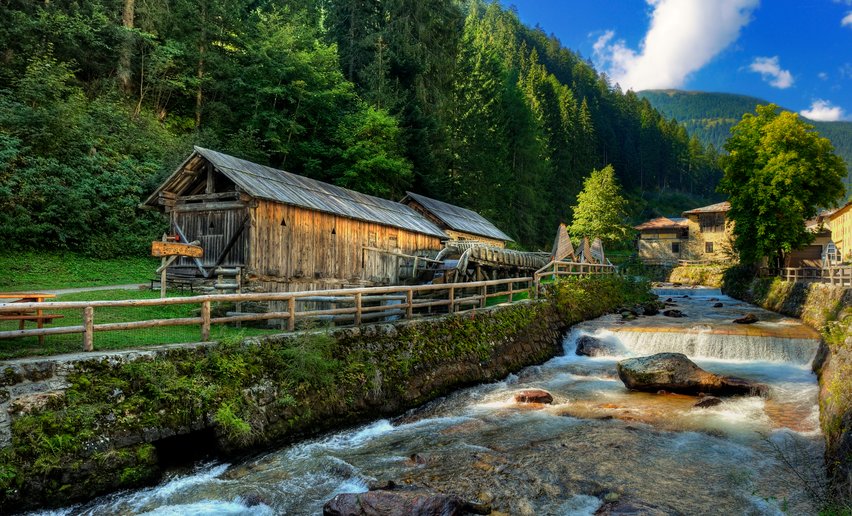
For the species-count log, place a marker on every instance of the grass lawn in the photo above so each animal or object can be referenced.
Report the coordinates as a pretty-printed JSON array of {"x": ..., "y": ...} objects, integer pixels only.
[
  {"x": 54, "y": 344},
  {"x": 51, "y": 270}
]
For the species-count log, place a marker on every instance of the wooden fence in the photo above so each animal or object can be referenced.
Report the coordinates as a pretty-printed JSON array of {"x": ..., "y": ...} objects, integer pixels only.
[
  {"x": 344, "y": 306},
  {"x": 556, "y": 268},
  {"x": 841, "y": 275},
  {"x": 359, "y": 305}
]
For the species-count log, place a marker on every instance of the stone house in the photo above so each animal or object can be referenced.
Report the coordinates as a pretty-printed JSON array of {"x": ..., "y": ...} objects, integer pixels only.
[{"x": 662, "y": 240}]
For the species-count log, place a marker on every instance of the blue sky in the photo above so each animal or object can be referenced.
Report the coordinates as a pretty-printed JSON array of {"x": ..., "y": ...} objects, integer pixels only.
[{"x": 796, "y": 53}]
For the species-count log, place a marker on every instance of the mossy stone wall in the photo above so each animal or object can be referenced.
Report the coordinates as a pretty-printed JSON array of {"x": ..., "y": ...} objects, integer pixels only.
[
  {"x": 706, "y": 275},
  {"x": 828, "y": 309},
  {"x": 83, "y": 425}
]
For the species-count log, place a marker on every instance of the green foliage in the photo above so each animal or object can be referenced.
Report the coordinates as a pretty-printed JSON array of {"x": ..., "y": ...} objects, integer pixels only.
[
  {"x": 778, "y": 173},
  {"x": 710, "y": 116},
  {"x": 234, "y": 427},
  {"x": 457, "y": 100},
  {"x": 600, "y": 211},
  {"x": 309, "y": 357},
  {"x": 372, "y": 161}
]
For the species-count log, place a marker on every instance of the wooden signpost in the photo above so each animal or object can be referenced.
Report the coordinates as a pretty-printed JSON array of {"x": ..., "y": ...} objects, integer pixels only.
[{"x": 170, "y": 250}]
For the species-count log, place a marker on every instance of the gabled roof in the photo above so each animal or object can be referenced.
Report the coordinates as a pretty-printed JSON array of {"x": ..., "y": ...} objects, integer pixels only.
[
  {"x": 833, "y": 214},
  {"x": 663, "y": 223},
  {"x": 457, "y": 218},
  {"x": 279, "y": 186},
  {"x": 719, "y": 207}
]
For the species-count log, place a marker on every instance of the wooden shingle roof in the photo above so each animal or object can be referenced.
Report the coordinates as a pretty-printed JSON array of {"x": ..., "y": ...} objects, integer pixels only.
[
  {"x": 457, "y": 218},
  {"x": 264, "y": 182}
]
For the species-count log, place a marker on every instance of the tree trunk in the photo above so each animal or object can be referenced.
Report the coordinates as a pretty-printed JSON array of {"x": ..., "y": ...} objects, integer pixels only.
[
  {"x": 128, "y": 15},
  {"x": 202, "y": 49}
]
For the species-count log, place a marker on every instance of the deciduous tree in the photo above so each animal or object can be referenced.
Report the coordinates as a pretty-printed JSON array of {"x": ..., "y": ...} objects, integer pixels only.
[{"x": 778, "y": 173}]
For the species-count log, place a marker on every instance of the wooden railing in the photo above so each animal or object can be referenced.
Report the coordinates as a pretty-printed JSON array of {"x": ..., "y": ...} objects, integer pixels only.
[
  {"x": 679, "y": 263},
  {"x": 556, "y": 268},
  {"x": 840, "y": 275},
  {"x": 361, "y": 305}
]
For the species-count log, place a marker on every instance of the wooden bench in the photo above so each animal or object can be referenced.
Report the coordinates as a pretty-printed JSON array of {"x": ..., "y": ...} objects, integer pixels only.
[{"x": 36, "y": 316}]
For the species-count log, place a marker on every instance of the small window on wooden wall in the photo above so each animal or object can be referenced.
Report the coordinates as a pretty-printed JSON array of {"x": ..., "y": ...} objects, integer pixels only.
[
  {"x": 676, "y": 247},
  {"x": 393, "y": 243},
  {"x": 334, "y": 231},
  {"x": 708, "y": 247},
  {"x": 372, "y": 238},
  {"x": 283, "y": 223}
]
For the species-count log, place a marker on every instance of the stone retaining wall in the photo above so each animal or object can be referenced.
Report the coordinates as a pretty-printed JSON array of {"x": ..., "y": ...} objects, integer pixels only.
[
  {"x": 80, "y": 425},
  {"x": 828, "y": 309}
]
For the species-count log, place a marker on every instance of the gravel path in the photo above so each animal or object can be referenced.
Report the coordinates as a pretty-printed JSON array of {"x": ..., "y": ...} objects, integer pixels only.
[{"x": 59, "y": 292}]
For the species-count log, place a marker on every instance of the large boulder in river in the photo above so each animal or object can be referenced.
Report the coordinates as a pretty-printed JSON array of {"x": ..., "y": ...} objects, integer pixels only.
[
  {"x": 589, "y": 346},
  {"x": 674, "y": 372},
  {"x": 400, "y": 503}
]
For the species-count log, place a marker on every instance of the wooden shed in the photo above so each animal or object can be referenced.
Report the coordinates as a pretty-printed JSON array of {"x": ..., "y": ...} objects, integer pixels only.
[
  {"x": 458, "y": 223},
  {"x": 288, "y": 232}
]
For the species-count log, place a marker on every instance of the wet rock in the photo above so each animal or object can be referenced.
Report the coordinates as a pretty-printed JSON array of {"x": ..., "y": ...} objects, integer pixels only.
[
  {"x": 708, "y": 401},
  {"x": 677, "y": 284},
  {"x": 628, "y": 316},
  {"x": 746, "y": 319},
  {"x": 534, "y": 396},
  {"x": 254, "y": 500},
  {"x": 652, "y": 308},
  {"x": 674, "y": 372},
  {"x": 674, "y": 313},
  {"x": 718, "y": 305},
  {"x": 669, "y": 300},
  {"x": 416, "y": 459},
  {"x": 589, "y": 346},
  {"x": 685, "y": 297},
  {"x": 630, "y": 507},
  {"x": 401, "y": 502}
]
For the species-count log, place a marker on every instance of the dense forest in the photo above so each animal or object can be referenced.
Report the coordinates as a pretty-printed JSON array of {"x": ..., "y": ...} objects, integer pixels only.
[
  {"x": 710, "y": 116},
  {"x": 99, "y": 100}
]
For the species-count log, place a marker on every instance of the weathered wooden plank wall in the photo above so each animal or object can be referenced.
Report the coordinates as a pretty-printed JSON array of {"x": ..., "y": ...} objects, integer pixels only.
[
  {"x": 214, "y": 230},
  {"x": 292, "y": 248}
]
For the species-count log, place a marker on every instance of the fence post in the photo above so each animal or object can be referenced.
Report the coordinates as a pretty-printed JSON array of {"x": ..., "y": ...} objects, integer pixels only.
[
  {"x": 484, "y": 296},
  {"x": 452, "y": 306},
  {"x": 409, "y": 299},
  {"x": 89, "y": 328},
  {"x": 291, "y": 307},
  {"x": 205, "y": 321},
  {"x": 357, "y": 309},
  {"x": 511, "y": 290}
]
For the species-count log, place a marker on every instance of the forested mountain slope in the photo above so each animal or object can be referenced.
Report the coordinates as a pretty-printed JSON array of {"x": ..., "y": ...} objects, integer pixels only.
[
  {"x": 99, "y": 100},
  {"x": 710, "y": 116}
]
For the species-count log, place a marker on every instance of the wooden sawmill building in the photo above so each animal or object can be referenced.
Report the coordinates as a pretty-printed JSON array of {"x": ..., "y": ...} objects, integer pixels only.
[
  {"x": 288, "y": 232},
  {"x": 460, "y": 224}
]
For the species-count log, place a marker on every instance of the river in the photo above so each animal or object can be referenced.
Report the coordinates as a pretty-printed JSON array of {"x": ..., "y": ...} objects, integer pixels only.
[{"x": 596, "y": 442}]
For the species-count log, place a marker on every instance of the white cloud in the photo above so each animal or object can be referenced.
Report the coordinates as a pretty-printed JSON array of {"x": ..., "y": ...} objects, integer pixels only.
[
  {"x": 823, "y": 76},
  {"x": 847, "y": 20},
  {"x": 770, "y": 69},
  {"x": 683, "y": 37},
  {"x": 823, "y": 111}
]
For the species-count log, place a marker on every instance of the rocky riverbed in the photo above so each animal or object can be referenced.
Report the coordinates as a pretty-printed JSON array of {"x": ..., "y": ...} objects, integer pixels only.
[{"x": 596, "y": 448}]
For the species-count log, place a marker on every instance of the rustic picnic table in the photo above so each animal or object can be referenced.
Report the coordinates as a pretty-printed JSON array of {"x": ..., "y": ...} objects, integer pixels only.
[{"x": 37, "y": 315}]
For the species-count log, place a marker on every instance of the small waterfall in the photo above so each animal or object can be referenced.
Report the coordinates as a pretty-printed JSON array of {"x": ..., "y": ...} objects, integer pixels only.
[
  {"x": 703, "y": 343},
  {"x": 675, "y": 292}
]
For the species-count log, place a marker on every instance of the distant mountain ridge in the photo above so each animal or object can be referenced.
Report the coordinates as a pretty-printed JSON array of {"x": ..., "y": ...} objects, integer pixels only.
[{"x": 710, "y": 116}]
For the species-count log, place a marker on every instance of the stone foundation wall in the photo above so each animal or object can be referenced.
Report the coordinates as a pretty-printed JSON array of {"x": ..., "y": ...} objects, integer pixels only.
[
  {"x": 80, "y": 425},
  {"x": 707, "y": 275},
  {"x": 828, "y": 309}
]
